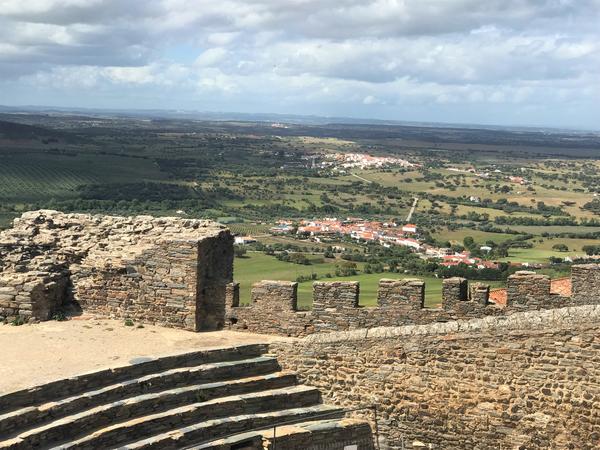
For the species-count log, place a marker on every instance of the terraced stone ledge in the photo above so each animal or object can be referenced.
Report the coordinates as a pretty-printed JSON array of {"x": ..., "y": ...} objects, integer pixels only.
[{"x": 171, "y": 402}]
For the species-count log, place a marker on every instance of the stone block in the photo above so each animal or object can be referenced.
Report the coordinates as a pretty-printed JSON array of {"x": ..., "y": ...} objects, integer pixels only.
[
  {"x": 480, "y": 293},
  {"x": 275, "y": 295},
  {"x": 454, "y": 290},
  {"x": 528, "y": 289},
  {"x": 401, "y": 293},
  {"x": 335, "y": 294}
]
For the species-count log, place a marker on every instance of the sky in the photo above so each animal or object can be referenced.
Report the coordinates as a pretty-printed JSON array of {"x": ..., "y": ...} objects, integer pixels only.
[{"x": 505, "y": 62}]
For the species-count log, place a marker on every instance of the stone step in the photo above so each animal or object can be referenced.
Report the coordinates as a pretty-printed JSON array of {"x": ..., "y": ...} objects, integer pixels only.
[
  {"x": 318, "y": 433},
  {"x": 208, "y": 414},
  {"x": 16, "y": 421},
  {"x": 209, "y": 434},
  {"x": 94, "y": 380}
]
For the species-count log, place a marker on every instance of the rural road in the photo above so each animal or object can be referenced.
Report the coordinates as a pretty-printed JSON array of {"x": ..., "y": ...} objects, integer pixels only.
[
  {"x": 361, "y": 178},
  {"x": 412, "y": 209}
]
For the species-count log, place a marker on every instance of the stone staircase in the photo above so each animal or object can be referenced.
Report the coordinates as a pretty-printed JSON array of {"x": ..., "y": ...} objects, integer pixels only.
[{"x": 217, "y": 399}]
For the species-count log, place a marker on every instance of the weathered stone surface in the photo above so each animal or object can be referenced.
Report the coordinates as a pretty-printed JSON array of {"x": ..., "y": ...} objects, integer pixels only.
[
  {"x": 529, "y": 380},
  {"x": 525, "y": 289},
  {"x": 585, "y": 282},
  {"x": 277, "y": 302},
  {"x": 454, "y": 291},
  {"x": 166, "y": 271},
  {"x": 401, "y": 302},
  {"x": 177, "y": 401},
  {"x": 479, "y": 293}
]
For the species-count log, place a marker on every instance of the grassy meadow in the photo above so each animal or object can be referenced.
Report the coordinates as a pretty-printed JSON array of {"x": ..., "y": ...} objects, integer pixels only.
[{"x": 258, "y": 266}]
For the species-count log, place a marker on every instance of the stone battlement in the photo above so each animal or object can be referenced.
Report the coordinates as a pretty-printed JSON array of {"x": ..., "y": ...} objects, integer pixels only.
[
  {"x": 399, "y": 302},
  {"x": 167, "y": 271},
  {"x": 178, "y": 273}
]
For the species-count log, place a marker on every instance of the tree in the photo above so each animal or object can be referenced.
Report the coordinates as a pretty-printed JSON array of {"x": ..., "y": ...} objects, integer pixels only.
[
  {"x": 591, "y": 249},
  {"x": 560, "y": 248},
  {"x": 239, "y": 252},
  {"x": 299, "y": 258},
  {"x": 469, "y": 242},
  {"x": 345, "y": 269}
]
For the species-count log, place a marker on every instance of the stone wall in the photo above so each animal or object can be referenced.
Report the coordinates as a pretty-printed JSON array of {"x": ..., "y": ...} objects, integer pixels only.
[
  {"x": 32, "y": 295},
  {"x": 277, "y": 302},
  {"x": 347, "y": 433},
  {"x": 167, "y": 271},
  {"x": 454, "y": 291},
  {"x": 526, "y": 289},
  {"x": 527, "y": 381},
  {"x": 585, "y": 282},
  {"x": 400, "y": 302}
]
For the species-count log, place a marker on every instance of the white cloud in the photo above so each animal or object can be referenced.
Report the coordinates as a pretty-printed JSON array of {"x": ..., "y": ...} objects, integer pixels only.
[
  {"x": 310, "y": 55},
  {"x": 211, "y": 57}
]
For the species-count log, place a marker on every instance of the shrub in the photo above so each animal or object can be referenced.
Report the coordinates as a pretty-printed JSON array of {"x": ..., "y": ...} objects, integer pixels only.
[
  {"x": 239, "y": 252},
  {"x": 59, "y": 316},
  {"x": 560, "y": 248},
  {"x": 18, "y": 321}
]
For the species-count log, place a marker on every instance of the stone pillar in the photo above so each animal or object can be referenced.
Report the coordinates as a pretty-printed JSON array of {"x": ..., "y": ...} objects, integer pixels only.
[
  {"x": 214, "y": 266},
  {"x": 527, "y": 289},
  {"x": 480, "y": 293},
  {"x": 275, "y": 296},
  {"x": 454, "y": 290},
  {"x": 585, "y": 279},
  {"x": 335, "y": 294},
  {"x": 232, "y": 295},
  {"x": 401, "y": 293}
]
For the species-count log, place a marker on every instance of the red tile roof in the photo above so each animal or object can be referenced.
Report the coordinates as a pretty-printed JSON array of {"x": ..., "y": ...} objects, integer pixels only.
[
  {"x": 560, "y": 286},
  {"x": 499, "y": 296}
]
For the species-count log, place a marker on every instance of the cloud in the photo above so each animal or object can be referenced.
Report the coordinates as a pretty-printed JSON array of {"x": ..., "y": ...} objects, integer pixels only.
[
  {"x": 211, "y": 57},
  {"x": 373, "y": 56}
]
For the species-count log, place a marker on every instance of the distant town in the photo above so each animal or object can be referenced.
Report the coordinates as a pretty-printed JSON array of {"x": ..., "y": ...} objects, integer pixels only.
[{"x": 387, "y": 234}]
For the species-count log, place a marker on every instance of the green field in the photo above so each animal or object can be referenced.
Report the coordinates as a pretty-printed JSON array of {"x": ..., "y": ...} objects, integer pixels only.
[
  {"x": 6, "y": 219},
  {"x": 542, "y": 251},
  {"x": 247, "y": 229},
  {"x": 243, "y": 175},
  {"x": 258, "y": 266},
  {"x": 552, "y": 229},
  {"x": 41, "y": 176},
  {"x": 457, "y": 236}
]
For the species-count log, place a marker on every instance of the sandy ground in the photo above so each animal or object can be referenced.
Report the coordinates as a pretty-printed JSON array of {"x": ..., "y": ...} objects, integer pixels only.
[{"x": 39, "y": 353}]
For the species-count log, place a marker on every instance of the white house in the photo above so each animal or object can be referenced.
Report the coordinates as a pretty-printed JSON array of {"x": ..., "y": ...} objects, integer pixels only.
[{"x": 409, "y": 228}]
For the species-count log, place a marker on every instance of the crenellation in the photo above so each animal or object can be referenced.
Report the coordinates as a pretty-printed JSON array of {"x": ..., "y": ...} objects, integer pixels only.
[
  {"x": 281, "y": 296},
  {"x": 585, "y": 283},
  {"x": 407, "y": 294},
  {"x": 232, "y": 294},
  {"x": 527, "y": 289},
  {"x": 401, "y": 302},
  {"x": 479, "y": 293},
  {"x": 335, "y": 306},
  {"x": 454, "y": 291},
  {"x": 179, "y": 273},
  {"x": 274, "y": 309},
  {"x": 336, "y": 295}
]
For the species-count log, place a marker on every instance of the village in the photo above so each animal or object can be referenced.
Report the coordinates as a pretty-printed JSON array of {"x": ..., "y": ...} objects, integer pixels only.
[
  {"x": 339, "y": 162},
  {"x": 386, "y": 234}
]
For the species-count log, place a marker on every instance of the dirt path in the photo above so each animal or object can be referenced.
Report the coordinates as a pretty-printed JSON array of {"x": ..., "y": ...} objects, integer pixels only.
[
  {"x": 36, "y": 354},
  {"x": 412, "y": 209},
  {"x": 361, "y": 178}
]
